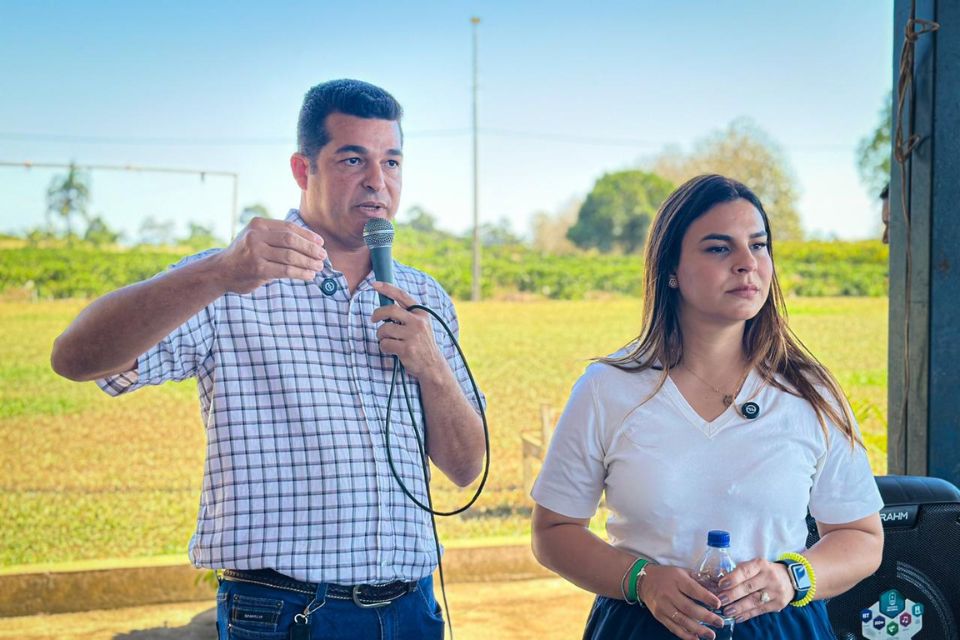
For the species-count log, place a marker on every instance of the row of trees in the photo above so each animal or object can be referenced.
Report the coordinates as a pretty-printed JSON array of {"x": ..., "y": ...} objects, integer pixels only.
[
  {"x": 614, "y": 217},
  {"x": 68, "y": 202},
  {"x": 617, "y": 213}
]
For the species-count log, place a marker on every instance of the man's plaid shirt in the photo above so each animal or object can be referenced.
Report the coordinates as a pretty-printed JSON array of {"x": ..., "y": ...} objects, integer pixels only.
[{"x": 293, "y": 390}]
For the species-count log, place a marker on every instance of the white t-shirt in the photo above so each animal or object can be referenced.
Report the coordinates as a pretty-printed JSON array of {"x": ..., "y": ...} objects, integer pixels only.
[{"x": 670, "y": 476}]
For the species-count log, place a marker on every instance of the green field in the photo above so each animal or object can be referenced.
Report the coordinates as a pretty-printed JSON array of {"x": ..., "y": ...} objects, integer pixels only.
[{"x": 85, "y": 476}]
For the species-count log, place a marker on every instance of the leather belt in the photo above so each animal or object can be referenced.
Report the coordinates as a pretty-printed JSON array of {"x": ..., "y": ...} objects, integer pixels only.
[{"x": 363, "y": 595}]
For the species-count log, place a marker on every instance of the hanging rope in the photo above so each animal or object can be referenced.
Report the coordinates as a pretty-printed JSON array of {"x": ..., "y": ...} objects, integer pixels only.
[{"x": 902, "y": 150}]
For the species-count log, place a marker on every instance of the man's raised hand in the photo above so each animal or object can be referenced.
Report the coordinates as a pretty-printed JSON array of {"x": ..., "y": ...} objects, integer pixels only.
[{"x": 267, "y": 250}]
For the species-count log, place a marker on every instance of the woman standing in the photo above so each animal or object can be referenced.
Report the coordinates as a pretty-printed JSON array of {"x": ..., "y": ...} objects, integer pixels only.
[{"x": 715, "y": 417}]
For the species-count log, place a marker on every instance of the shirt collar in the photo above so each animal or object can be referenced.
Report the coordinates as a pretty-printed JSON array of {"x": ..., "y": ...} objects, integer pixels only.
[
  {"x": 328, "y": 271},
  {"x": 294, "y": 216}
]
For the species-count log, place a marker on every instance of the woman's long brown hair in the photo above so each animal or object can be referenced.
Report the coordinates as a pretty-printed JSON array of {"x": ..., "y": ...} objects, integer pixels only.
[{"x": 768, "y": 343}]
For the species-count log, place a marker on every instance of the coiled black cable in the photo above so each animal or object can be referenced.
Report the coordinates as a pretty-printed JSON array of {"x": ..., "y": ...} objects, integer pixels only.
[{"x": 398, "y": 369}]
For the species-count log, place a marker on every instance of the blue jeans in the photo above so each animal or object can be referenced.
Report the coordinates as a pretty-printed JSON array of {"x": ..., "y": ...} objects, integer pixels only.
[
  {"x": 616, "y": 620},
  {"x": 252, "y": 612}
]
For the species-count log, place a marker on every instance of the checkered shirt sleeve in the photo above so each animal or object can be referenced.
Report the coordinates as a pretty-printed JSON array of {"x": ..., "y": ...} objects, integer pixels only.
[
  {"x": 293, "y": 391},
  {"x": 179, "y": 356}
]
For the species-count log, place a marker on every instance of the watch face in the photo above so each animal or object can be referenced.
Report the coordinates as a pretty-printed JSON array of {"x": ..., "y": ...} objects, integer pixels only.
[{"x": 798, "y": 573}]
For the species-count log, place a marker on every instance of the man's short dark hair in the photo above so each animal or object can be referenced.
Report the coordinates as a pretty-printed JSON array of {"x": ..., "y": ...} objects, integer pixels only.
[{"x": 350, "y": 97}]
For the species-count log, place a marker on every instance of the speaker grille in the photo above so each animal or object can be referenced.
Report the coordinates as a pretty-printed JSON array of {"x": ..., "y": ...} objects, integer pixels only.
[{"x": 922, "y": 562}]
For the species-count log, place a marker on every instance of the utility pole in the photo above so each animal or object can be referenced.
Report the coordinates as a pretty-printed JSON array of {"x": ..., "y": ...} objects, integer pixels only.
[{"x": 475, "y": 293}]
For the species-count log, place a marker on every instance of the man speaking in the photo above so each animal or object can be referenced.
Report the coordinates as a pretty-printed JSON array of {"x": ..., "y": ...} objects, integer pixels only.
[{"x": 290, "y": 347}]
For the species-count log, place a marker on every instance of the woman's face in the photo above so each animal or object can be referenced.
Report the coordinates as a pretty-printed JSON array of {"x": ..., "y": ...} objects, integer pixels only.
[{"x": 724, "y": 271}]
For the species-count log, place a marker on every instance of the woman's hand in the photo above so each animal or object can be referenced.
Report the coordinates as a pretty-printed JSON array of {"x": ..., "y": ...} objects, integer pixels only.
[
  {"x": 754, "y": 588},
  {"x": 672, "y": 596}
]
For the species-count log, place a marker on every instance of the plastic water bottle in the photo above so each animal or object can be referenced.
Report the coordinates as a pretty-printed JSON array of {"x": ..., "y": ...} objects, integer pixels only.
[{"x": 715, "y": 564}]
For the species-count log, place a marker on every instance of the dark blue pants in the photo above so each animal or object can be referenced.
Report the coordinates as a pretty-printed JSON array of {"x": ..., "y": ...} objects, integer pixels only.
[
  {"x": 252, "y": 612},
  {"x": 611, "y": 619}
]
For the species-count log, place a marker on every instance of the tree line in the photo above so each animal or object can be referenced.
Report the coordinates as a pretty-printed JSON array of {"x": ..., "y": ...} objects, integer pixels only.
[
  {"x": 68, "y": 221},
  {"x": 614, "y": 217},
  {"x": 616, "y": 214}
]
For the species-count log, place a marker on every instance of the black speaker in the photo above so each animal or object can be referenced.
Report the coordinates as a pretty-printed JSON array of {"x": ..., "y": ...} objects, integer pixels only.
[{"x": 916, "y": 591}]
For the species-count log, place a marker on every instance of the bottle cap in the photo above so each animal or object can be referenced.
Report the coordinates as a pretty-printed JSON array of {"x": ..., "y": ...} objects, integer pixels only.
[{"x": 718, "y": 538}]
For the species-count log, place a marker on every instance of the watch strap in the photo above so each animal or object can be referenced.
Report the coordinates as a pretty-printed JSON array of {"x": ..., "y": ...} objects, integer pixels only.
[{"x": 802, "y": 597}]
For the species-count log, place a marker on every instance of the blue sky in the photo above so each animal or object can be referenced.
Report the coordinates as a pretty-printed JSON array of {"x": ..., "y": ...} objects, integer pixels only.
[{"x": 568, "y": 91}]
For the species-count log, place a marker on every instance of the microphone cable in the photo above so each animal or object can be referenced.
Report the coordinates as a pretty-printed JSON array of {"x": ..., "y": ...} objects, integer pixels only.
[{"x": 399, "y": 369}]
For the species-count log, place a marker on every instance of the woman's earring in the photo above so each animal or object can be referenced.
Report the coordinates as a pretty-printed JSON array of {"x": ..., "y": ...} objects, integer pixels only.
[{"x": 672, "y": 282}]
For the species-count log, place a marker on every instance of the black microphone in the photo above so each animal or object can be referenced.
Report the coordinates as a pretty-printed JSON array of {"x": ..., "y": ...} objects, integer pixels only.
[{"x": 378, "y": 236}]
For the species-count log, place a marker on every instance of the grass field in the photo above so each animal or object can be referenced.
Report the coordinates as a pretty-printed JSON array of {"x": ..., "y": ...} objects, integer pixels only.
[{"x": 85, "y": 476}]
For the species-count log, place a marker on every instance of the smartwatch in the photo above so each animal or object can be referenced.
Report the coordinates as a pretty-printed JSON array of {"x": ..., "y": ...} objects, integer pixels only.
[{"x": 799, "y": 578}]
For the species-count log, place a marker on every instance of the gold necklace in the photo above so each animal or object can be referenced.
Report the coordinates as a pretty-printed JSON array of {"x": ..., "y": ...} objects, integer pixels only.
[{"x": 727, "y": 398}]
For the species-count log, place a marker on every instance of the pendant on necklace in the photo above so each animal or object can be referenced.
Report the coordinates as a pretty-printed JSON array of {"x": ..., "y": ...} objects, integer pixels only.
[{"x": 727, "y": 400}]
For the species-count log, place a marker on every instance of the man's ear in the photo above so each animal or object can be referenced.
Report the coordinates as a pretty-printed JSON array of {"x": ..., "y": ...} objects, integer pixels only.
[{"x": 300, "y": 167}]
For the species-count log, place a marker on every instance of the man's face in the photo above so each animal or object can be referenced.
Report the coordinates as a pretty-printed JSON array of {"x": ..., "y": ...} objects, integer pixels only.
[{"x": 357, "y": 177}]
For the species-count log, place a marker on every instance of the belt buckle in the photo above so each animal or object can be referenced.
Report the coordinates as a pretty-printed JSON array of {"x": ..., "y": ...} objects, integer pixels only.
[{"x": 367, "y": 605}]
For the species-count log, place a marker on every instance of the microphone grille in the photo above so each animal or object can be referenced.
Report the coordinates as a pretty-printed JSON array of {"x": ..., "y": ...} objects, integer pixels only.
[{"x": 378, "y": 232}]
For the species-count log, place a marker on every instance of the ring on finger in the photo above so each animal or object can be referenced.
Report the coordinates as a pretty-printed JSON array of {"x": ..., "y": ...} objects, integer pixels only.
[
  {"x": 764, "y": 597},
  {"x": 675, "y": 615}
]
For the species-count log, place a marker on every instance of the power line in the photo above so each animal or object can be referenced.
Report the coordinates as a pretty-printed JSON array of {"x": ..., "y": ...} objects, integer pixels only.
[
  {"x": 59, "y": 137},
  {"x": 572, "y": 139},
  {"x": 428, "y": 133},
  {"x": 192, "y": 142},
  {"x": 28, "y": 164},
  {"x": 631, "y": 142}
]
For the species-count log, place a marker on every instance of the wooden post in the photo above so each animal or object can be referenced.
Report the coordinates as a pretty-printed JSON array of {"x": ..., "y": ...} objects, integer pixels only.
[
  {"x": 546, "y": 425},
  {"x": 534, "y": 448},
  {"x": 924, "y": 355}
]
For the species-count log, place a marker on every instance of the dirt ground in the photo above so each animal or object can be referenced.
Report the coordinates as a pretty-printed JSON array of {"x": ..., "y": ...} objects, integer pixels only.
[{"x": 543, "y": 609}]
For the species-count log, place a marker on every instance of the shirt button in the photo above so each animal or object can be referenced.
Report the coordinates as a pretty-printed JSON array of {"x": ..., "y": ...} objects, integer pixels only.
[{"x": 329, "y": 286}]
